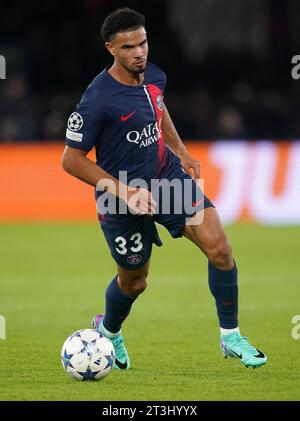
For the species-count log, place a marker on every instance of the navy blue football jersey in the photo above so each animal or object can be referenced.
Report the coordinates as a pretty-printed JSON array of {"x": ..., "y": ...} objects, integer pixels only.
[{"x": 123, "y": 123}]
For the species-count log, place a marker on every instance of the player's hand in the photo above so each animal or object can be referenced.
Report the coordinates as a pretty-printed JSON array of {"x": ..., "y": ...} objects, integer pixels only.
[
  {"x": 190, "y": 165},
  {"x": 141, "y": 202}
]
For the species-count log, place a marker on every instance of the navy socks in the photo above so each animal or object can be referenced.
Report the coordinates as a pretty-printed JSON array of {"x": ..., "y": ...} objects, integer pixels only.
[
  {"x": 118, "y": 306},
  {"x": 224, "y": 287}
]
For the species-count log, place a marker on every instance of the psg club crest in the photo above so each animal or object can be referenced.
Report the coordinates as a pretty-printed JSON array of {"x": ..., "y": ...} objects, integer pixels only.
[
  {"x": 134, "y": 259},
  {"x": 160, "y": 102},
  {"x": 75, "y": 122}
]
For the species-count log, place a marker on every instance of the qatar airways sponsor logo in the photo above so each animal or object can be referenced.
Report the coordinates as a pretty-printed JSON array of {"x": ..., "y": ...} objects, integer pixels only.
[{"x": 149, "y": 135}]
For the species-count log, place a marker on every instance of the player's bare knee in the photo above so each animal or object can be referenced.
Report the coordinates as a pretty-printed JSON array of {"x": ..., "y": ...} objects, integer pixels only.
[
  {"x": 135, "y": 285},
  {"x": 220, "y": 254},
  {"x": 139, "y": 286}
]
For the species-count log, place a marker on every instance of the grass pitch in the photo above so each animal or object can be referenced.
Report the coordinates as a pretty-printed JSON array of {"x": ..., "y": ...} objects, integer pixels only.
[{"x": 53, "y": 279}]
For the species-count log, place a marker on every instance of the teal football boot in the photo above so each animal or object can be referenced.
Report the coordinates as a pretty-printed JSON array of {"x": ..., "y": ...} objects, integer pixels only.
[
  {"x": 236, "y": 346},
  {"x": 122, "y": 361}
]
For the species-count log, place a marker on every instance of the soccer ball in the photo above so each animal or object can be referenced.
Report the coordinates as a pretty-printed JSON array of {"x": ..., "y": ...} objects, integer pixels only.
[{"x": 87, "y": 354}]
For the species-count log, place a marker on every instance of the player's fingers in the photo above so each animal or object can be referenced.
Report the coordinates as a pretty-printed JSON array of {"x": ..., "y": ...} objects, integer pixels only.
[
  {"x": 146, "y": 205},
  {"x": 144, "y": 208},
  {"x": 151, "y": 210},
  {"x": 139, "y": 204},
  {"x": 189, "y": 170},
  {"x": 151, "y": 201},
  {"x": 153, "y": 205},
  {"x": 197, "y": 169},
  {"x": 141, "y": 209},
  {"x": 147, "y": 209}
]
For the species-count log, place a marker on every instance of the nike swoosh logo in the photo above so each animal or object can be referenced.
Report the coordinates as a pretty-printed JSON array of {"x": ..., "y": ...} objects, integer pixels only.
[
  {"x": 260, "y": 354},
  {"x": 228, "y": 303},
  {"x": 122, "y": 366},
  {"x": 195, "y": 204},
  {"x": 126, "y": 117},
  {"x": 240, "y": 356}
]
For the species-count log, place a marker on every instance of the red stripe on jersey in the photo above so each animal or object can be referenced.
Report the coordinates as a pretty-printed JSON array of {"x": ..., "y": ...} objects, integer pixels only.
[{"x": 156, "y": 96}]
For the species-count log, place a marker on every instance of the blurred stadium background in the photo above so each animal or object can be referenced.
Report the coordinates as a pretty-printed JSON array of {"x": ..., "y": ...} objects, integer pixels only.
[
  {"x": 235, "y": 104},
  {"x": 229, "y": 78},
  {"x": 228, "y": 64}
]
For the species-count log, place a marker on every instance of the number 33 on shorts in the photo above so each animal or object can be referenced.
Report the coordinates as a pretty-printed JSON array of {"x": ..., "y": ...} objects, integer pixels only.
[
  {"x": 131, "y": 246},
  {"x": 135, "y": 245}
]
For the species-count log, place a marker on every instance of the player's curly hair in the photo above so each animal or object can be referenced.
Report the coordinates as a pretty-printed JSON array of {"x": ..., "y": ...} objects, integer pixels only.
[{"x": 121, "y": 20}]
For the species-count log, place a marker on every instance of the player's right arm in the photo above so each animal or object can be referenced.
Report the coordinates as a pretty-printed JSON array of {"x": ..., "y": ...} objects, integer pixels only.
[
  {"x": 83, "y": 133},
  {"x": 76, "y": 163}
]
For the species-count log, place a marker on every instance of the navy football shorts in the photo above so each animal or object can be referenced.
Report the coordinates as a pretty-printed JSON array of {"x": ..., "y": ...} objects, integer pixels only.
[{"x": 130, "y": 237}]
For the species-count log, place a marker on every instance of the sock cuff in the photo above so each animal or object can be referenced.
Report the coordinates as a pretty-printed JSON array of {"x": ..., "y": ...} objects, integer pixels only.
[
  {"x": 225, "y": 331},
  {"x": 108, "y": 333},
  {"x": 119, "y": 291},
  {"x": 221, "y": 272}
]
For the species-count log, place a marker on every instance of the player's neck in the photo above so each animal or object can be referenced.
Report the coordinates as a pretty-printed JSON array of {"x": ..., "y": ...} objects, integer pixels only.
[{"x": 124, "y": 76}]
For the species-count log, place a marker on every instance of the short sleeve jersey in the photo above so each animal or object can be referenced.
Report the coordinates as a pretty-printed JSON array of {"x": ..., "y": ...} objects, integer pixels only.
[{"x": 123, "y": 123}]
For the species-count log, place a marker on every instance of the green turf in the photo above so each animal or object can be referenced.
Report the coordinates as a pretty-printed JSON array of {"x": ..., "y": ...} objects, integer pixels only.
[{"x": 52, "y": 281}]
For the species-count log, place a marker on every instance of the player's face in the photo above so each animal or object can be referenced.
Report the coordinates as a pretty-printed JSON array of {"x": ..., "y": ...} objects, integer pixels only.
[{"x": 130, "y": 50}]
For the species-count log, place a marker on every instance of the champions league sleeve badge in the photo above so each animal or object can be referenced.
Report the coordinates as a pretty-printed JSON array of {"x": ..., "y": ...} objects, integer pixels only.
[{"x": 75, "y": 122}]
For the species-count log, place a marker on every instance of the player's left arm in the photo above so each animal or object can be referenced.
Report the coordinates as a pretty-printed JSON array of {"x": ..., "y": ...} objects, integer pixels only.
[{"x": 172, "y": 139}]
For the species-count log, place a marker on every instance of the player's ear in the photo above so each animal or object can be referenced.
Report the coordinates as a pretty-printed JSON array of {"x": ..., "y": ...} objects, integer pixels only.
[{"x": 110, "y": 48}]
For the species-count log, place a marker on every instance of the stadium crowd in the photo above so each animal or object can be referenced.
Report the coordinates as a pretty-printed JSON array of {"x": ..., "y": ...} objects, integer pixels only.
[{"x": 54, "y": 49}]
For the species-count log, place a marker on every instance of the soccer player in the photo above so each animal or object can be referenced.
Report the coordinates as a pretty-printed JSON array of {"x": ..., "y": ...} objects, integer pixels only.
[{"x": 122, "y": 115}]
